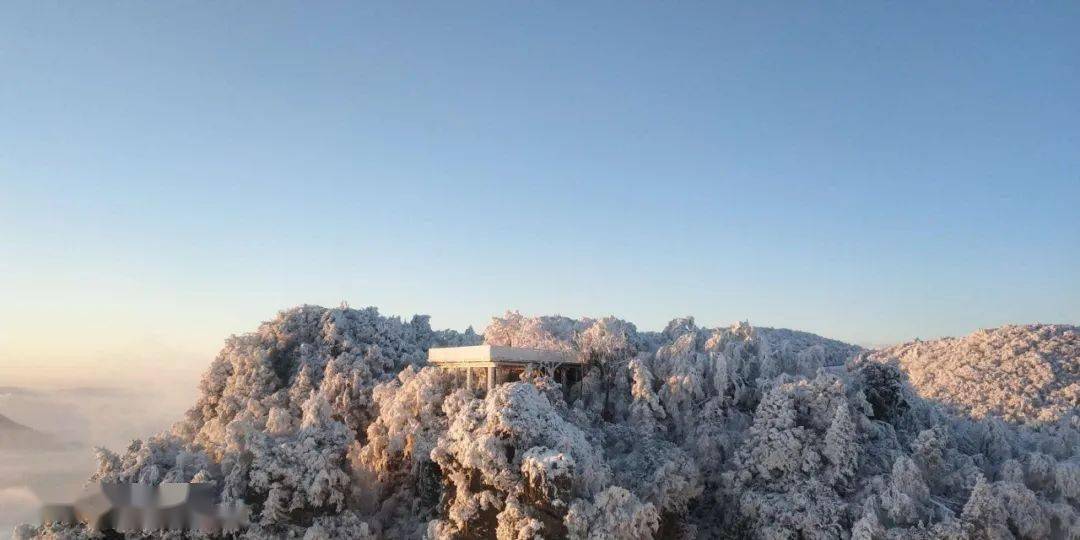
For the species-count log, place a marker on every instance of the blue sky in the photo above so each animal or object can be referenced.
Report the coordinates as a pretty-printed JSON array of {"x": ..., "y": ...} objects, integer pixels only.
[{"x": 171, "y": 173}]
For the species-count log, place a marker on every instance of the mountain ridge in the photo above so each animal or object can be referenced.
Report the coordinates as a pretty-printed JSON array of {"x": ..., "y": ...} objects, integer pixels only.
[
  {"x": 1019, "y": 372},
  {"x": 19, "y": 437}
]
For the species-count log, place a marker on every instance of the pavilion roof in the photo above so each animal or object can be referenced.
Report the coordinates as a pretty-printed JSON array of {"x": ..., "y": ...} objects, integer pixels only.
[{"x": 496, "y": 355}]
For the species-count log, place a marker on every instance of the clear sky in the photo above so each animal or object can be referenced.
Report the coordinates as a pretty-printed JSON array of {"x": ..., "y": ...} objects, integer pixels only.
[{"x": 174, "y": 172}]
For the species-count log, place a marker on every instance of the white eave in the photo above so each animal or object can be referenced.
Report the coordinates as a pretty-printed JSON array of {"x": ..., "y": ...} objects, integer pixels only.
[{"x": 494, "y": 355}]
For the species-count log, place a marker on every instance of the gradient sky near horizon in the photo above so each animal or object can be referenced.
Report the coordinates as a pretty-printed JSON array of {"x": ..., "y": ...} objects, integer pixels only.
[{"x": 172, "y": 173}]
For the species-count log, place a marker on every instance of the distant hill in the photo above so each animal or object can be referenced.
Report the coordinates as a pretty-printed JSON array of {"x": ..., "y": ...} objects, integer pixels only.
[
  {"x": 1021, "y": 373},
  {"x": 15, "y": 436},
  {"x": 836, "y": 353}
]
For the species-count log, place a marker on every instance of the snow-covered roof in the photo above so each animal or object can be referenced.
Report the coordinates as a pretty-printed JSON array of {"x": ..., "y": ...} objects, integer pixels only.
[{"x": 492, "y": 355}]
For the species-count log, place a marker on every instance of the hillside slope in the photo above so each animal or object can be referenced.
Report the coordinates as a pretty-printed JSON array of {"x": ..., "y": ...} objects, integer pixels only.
[
  {"x": 1021, "y": 373},
  {"x": 17, "y": 437}
]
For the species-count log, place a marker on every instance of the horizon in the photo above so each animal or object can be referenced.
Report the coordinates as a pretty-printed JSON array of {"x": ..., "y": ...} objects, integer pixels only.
[
  {"x": 190, "y": 367},
  {"x": 871, "y": 174}
]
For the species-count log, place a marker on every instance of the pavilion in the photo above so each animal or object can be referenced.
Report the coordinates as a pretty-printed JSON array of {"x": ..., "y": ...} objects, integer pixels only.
[{"x": 505, "y": 364}]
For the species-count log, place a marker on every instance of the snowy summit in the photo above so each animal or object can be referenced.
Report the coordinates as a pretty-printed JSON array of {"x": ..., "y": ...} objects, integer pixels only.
[{"x": 330, "y": 423}]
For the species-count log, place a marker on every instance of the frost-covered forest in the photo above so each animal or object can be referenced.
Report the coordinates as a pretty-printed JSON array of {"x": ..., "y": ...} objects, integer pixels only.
[
  {"x": 1020, "y": 373},
  {"x": 328, "y": 423}
]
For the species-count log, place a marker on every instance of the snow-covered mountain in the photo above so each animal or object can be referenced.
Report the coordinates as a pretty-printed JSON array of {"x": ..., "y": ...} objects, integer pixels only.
[
  {"x": 329, "y": 423},
  {"x": 1019, "y": 373}
]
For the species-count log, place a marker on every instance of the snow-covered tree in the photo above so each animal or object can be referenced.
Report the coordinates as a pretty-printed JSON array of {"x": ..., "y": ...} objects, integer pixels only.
[{"x": 614, "y": 514}]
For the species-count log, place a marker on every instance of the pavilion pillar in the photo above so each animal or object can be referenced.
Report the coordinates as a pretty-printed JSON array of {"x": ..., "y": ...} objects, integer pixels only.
[
  {"x": 491, "y": 378},
  {"x": 468, "y": 378}
]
